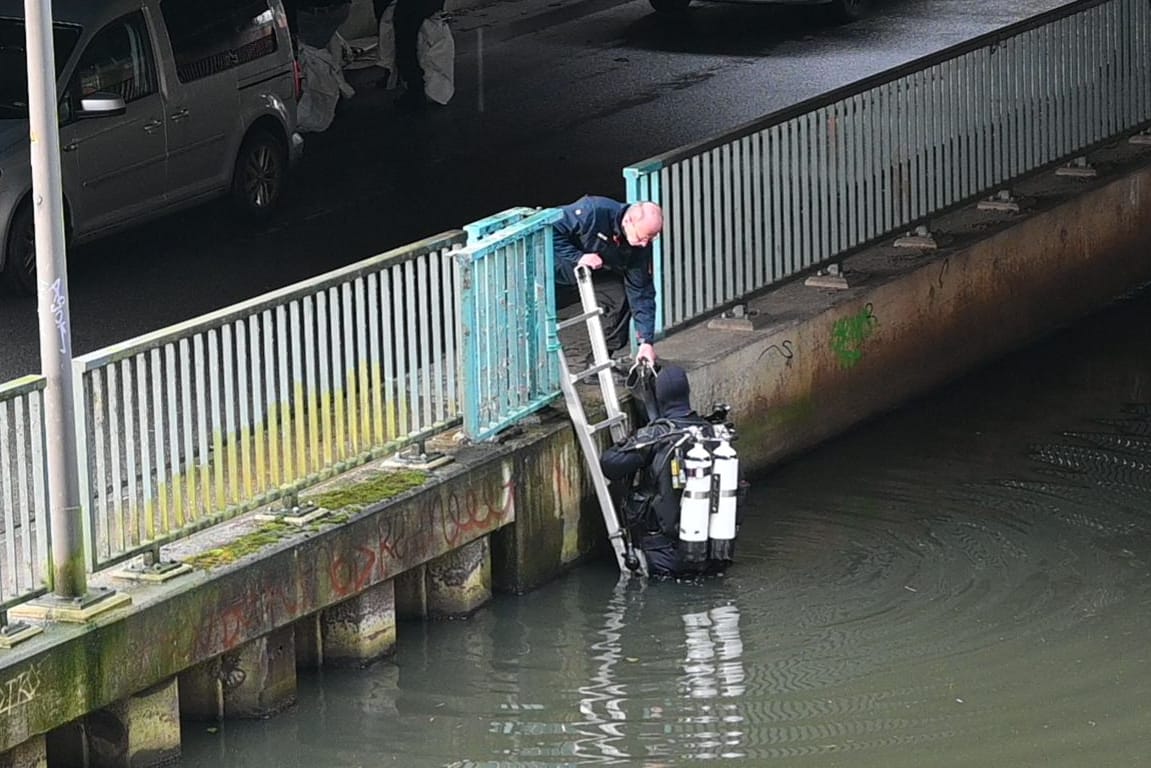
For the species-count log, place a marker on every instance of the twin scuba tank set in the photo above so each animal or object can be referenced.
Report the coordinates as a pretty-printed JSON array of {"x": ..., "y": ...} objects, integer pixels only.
[{"x": 707, "y": 473}]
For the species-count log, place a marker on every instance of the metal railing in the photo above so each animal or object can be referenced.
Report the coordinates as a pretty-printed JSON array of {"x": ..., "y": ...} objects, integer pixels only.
[
  {"x": 806, "y": 184},
  {"x": 507, "y": 293},
  {"x": 24, "y": 537},
  {"x": 198, "y": 422}
]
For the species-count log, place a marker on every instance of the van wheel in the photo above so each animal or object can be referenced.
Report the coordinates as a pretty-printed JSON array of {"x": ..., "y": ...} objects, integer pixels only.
[
  {"x": 20, "y": 253},
  {"x": 670, "y": 6},
  {"x": 261, "y": 174},
  {"x": 842, "y": 11}
]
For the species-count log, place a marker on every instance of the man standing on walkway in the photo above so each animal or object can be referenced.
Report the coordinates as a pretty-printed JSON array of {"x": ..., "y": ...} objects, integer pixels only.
[
  {"x": 409, "y": 16},
  {"x": 613, "y": 239}
]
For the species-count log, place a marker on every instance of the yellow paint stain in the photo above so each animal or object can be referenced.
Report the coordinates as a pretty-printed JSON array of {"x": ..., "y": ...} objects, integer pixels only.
[
  {"x": 178, "y": 500},
  {"x": 261, "y": 455},
  {"x": 233, "y": 468},
  {"x": 365, "y": 374},
  {"x": 273, "y": 435},
  {"x": 299, "y": 395},
  {"x": 353, "y": 412},
  {"x": 313, "y": 428},
  {"x": 220, "y": 498},
  {"x": 341, "y": 436},
  {"x": 286, "y": 442},
  {"x": 250, "y": 482},
  {"x": 390, "y": 419},
  {"x": 378, "y": 406},
  {"x": 326, "y": 418}
]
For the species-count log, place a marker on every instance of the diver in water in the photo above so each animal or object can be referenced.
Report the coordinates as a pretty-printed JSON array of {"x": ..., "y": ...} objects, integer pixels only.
[{"x": 677, "y": 478}]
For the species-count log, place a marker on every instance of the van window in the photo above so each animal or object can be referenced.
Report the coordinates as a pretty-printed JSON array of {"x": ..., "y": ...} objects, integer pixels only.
[
  {"x": 210, "y": 36},
  {"x": 14, "y": 63},
  {"x": 118, "y": 60}
]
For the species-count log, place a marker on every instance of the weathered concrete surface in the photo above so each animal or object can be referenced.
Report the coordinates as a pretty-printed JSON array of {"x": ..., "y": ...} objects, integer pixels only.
[
  {"x": 460, "y": 581},
  {"x": 815, "y": 364},
  {"x": 31, "y": 754},
  {"x": 71, "y": 670},
  {"x": 362, "y": 629}
]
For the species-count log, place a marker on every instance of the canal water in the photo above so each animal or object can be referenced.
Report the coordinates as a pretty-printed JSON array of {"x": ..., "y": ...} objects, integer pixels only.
[{"x": 963, "y": 582}]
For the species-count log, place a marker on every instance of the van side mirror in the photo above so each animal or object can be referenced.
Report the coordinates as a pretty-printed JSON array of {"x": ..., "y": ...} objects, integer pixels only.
[{"x": 102, "y": 104}]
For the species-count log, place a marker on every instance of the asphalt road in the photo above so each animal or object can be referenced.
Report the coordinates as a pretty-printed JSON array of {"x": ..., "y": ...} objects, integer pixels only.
[{"x": 553, "y": 99}]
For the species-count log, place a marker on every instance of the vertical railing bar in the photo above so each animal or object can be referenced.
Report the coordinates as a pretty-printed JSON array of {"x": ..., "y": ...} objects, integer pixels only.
[
  {"x": 299, "y": 408},
  {"x": 314, "y": 454},
  {"x": 438, "y": 349},
  {"x": 215, "y": 413},
  {"x": 203, "y": 458},
  {"x": 325, "y": 357},
  {"x": 260, "y": 428},
  {"x": 271, "y": 402},
  {"x": 391, "y": 414},
  {"x": 148, "y": 505},
  {"x": 360, "y": 371},
  {"x": 8, "y": 485},
  {"x": 132, "y": 518},
  {"x": 245, "y": 364},
  {"x": 375, "y": 358},
  {"x": 426, "y": 310},
  {"x": 229, "y": 407},
  {"x": 155, "y": 369},
  {"x": 286, "y": 380},
  {"x": 399, "y": 321},
  {"x": 171, "y": 407}
]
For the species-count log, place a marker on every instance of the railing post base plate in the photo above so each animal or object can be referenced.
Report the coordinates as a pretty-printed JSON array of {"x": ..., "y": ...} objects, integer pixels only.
[{"x": 71, "y": 609}]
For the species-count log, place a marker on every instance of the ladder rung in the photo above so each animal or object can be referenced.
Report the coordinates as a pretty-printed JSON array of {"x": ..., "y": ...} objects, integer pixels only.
[
  {"x": 594, "y": 369},
  {"x": 608, "y": 422},
  {"x": 578, "y": 319}
]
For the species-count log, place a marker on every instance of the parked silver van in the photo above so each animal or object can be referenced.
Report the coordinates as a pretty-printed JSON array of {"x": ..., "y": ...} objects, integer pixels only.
[{"x": 163, "y": 104}]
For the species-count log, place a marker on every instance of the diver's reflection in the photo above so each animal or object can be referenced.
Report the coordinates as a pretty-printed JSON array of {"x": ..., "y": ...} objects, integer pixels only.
[
  {"x": 701, "y": 722},
  {"x": 714, "y": 663}
]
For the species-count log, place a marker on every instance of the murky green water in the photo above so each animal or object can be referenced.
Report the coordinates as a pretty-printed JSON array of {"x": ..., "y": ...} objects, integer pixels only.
[{"x": 962, "y": 583}]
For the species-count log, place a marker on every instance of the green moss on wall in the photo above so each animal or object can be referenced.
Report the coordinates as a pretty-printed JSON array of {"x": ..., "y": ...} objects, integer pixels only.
[
  {"x": 266, "y": 534},
  {"x": 375, "y": 489}
]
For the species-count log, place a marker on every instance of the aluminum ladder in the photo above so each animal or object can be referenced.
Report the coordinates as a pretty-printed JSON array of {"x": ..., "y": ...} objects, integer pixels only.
[{"x": 628, "y": 556}]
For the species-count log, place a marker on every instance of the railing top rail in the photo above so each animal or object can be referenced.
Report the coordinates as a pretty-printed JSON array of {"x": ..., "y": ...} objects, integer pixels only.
[
  {"x": 499, "y": 238},
  {"x": 22, "y": 386},
  {"x": 270, "y": 300},
  {"x": 985, "y": 40}
]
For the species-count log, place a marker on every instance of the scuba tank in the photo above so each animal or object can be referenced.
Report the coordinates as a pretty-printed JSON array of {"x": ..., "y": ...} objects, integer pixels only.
[
  {"x": 722, "y": 520},
  {"x": 694, "y": 504}
]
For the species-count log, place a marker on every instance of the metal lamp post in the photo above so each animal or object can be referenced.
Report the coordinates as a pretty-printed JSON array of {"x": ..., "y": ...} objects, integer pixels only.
[{"x": 70, "y": 598}]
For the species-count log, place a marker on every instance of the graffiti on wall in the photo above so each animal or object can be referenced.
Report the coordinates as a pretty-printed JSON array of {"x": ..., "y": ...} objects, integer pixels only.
[
  {"x": 20, "y": 690},
  {"x": 452, "y": 518},
  {"x": 849, "y": 334}
]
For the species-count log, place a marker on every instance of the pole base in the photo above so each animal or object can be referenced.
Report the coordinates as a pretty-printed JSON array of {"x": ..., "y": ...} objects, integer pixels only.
[{"x": 75, "y": 610}]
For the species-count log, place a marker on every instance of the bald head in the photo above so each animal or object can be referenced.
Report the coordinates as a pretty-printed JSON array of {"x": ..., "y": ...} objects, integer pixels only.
[{"x": 642, "y": 222}]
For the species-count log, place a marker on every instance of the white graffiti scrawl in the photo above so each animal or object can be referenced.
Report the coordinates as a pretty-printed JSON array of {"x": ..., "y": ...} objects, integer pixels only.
[{"x": 19, "y": 690}]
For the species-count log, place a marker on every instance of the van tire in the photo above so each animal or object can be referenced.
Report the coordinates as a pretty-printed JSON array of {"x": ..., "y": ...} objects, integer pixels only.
[
  {"x": 260, "y": 175},
  {"x": 20, "y": 252}
]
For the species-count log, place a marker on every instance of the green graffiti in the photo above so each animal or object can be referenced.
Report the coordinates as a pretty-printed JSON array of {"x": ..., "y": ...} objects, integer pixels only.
[{"x": 848, "y": 335}]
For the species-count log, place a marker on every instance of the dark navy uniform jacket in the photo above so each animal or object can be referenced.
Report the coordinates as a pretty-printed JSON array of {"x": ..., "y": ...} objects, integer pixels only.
[{"x": 593, "y": 224}]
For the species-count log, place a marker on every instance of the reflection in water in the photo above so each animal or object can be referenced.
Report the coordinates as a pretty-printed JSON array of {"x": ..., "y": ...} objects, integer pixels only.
[
  {"x": 712, "y": 668},
  {"x": 963, "y": 583}
]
